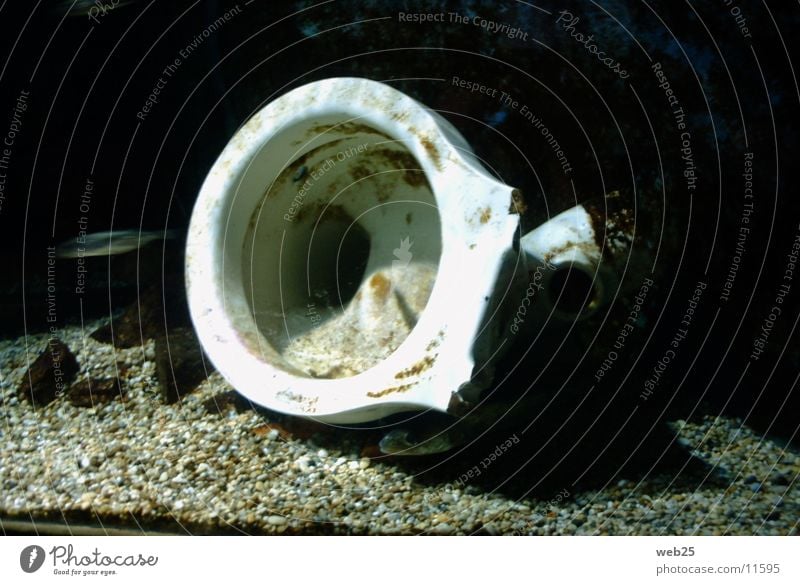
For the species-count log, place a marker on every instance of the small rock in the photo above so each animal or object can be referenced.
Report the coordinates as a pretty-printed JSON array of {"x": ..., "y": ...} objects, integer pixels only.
[
  {"x": 303, "y": 464},
  {"x": 145, "y": 317},
  {"x": 363, "y": 463},
  {"x": 780, "y": 479},
  {"x": 276, "y": 520},
  {"x": 87, "y": 498},
  {"x": 88, "y": 393},
  {"x": 443, "y": 528},
  {"x": 373, "y": 452},
  {"x": 272, "y": 431},
  {"x": 50, "y": 374}
]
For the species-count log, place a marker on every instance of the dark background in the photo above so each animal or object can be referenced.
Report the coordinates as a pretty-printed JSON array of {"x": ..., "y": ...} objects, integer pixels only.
[{"x": 87, "y": 81}]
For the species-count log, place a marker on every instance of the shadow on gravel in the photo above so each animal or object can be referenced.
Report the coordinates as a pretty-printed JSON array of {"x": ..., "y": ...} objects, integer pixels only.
[{"x": 547, "y": 459}]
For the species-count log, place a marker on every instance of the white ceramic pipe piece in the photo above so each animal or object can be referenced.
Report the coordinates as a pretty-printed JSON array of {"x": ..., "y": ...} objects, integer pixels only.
[{"x": 591, "y": 242}]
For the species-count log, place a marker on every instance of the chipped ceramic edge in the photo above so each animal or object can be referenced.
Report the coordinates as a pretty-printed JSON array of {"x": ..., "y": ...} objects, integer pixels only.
[
  {"x": 569, "y": 237},
  {"x": 583, "y": 236}
]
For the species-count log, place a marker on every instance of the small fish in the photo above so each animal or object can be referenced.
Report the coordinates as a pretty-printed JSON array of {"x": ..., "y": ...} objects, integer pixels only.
[
  {"x": 446, "y": 435},
  {"x": 110, "y": 243},
  {"x": 401, "y": 442},
  {"x": 90, "y": 8}
]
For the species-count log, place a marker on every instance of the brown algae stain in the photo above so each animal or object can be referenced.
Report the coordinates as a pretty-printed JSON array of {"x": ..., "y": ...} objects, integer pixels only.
[
  {"x": 413, "y": 175},
  {"x": 320, "y": 211},
  {"x": 434, "y": 343},
  {"x": 347, "y": 129},
  {"x": 388, "y": 391},
  {"x": 486, "y": 215},
  {"x": 417, "y": 368},
  {"x": 359, "y": 171},
  {"x": 380, "y": 286},
  {"x": 518, "y": 203},
  {"x": 432, "y": 151}
]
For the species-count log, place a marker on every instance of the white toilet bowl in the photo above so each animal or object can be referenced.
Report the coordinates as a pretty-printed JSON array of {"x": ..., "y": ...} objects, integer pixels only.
[{"x": 348, "y": 257}]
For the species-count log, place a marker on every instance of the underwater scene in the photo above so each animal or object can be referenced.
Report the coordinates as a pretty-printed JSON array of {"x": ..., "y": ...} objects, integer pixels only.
[{"x": 399, "y": 268}]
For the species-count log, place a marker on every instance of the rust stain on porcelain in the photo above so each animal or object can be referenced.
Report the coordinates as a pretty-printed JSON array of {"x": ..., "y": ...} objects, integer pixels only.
[
  {"x": 388, "y": 391},
  {"x": 432, "y": 151},
  {"x": 417, "y": 368}
]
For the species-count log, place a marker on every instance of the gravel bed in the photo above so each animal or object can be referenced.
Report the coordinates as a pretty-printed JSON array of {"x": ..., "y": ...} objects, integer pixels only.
[{"x": 141, "y": 463}]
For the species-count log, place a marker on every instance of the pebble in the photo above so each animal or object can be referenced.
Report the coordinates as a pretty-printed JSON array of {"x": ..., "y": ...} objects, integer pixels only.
[
  {"x": 39, "y": 383},
  {"x": 443, "y": 528},
  {"x": 780, "y": 479},
  {"x": 303, "y": 464},
  {"x": 145, "y": 459}
]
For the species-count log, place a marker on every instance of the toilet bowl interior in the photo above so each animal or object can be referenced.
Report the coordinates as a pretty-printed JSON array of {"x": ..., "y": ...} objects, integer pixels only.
[{"x": 342, "y": 247}]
